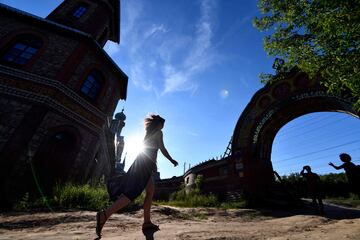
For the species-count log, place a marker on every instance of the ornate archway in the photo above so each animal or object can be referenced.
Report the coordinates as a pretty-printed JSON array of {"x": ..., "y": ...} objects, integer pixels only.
[{"x": 271, "y": 108}]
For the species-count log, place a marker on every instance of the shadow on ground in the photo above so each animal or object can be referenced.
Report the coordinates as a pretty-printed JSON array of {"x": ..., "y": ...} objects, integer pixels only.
[
  {"x": 43, "y": 222},
  {"x": 332, "y": 211}
]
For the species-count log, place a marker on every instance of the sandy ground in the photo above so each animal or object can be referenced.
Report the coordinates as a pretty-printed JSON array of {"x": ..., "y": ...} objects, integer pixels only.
[{"x": 187, "y": 223}]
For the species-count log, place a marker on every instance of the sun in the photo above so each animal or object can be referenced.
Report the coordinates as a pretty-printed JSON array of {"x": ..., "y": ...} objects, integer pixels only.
[{"x": 133, "y": 146}]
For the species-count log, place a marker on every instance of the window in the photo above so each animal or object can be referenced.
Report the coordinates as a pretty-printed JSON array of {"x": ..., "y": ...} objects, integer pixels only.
[
  {"x": 80, "y": 10},
  {"x": 22, "y": 50},
  {"x": 92, "y": 84}
]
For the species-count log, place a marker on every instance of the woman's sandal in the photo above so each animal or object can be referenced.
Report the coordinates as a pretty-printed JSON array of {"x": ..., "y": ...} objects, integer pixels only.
[
  {"x": 99, "y": 224},
  {"x": 150, "y": 225}
]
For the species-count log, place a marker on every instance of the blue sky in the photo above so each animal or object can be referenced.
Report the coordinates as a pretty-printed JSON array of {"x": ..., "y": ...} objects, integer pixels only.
[{"x": 196, "y": 63}]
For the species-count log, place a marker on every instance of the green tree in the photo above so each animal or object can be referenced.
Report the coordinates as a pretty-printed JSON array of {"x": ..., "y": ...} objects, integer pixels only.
[{"x": 320, "y": 37}]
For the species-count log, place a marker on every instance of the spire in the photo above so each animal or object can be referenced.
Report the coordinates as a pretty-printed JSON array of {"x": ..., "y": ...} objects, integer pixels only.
[{"x": 121, "y": 115}]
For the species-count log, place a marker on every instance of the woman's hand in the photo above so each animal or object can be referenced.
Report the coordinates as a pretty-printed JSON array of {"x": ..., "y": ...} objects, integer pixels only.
[
  {"x": 174, "y": 162},
  {"x": 331, "y": 164}
]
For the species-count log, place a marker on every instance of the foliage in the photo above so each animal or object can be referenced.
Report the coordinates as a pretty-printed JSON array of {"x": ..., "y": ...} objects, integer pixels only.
[
  {"x": 295, "y": 184},
  {"x": 68, "y": 195},
  {"x": 332, "y": 185},
  {"x": 23, "y": 204},
  {"x": 320, "y": 37},
  {"x": 335, "y": 185},
  {"x": 192, "y": 198},
  {"x": 195, "y": 198},
  {"x": 81, "y": 196},
  {"x": 199, "y": 181}
]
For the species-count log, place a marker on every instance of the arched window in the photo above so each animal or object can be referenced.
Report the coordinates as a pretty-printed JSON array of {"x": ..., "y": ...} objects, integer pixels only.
[
  {"x": 22, "y": 50},
  {"x": 92, "y": 84},
  {"x": 80, "y": 10}
]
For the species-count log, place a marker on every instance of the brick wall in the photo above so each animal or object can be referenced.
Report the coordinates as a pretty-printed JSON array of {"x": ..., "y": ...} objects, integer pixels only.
[
  {"x": 11, "y": 114},
  {"x": 58, "y": 51}
]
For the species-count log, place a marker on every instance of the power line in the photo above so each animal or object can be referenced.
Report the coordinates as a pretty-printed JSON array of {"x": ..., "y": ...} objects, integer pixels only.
[
  {"x": 317, "y": 167},
  {"x": 325, "y": 149},
  {"x": 311, "y": 130},
  {"x": 326, "y": 133},
  {"x": 314, "y": 159},
  {"x": 308, "y": 142},
  {"x": 325, "y": 166},
  {"x": 304, "y": 123},
  {"x": 333, "y": 135}
]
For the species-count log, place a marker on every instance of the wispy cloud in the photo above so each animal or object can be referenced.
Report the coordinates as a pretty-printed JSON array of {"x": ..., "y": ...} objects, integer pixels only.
[
  {"x": 154, "y": 29},
  {"x": 158, "y": 57},
  {"x": 199, "y": 58}
]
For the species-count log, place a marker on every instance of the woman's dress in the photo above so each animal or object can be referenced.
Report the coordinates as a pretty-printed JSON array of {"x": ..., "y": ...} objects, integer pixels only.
[{"x": 135, "y": 180}]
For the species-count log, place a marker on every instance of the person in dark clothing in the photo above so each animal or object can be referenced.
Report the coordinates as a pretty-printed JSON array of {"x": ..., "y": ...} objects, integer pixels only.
[
  {"x": 314, "y": 189},
  {"x": 351, "y": 170},
  {"x": 139, "y": 175}
]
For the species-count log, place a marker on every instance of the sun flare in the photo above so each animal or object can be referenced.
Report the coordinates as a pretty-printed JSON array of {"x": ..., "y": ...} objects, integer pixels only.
[{"x": 133, "y": 146}]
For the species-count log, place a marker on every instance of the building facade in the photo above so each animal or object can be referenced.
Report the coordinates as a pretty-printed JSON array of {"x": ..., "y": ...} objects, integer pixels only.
[
  {"x": 223, "y": 177},
  {"x": 58, "y": 93}
]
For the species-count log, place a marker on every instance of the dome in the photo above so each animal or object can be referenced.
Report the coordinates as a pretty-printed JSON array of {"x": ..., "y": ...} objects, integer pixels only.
[{"x": 120, "y": 116}]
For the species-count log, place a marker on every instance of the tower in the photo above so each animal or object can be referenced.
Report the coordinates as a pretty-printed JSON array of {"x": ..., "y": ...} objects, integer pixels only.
[
  {"x": 57, "y": 89},
  {"x": 99, "y": 18},
  {"x": 117, "y": 125}
]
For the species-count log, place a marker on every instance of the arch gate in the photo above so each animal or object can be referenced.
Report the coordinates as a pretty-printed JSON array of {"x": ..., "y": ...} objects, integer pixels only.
[{"x": 271, "y": 108}]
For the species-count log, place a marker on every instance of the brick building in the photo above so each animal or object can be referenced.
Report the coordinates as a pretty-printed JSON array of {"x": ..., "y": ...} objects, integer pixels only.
[
  {"x": 164, "y": 187},
  {"x": 224, "y": 177},
  {"x": 58, "y": 93}
]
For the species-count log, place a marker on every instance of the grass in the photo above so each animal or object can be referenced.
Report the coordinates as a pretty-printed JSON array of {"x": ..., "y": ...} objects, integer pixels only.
[
  {"x": 352, "y": 201},
  {"x": 203, "y": 202},
  {"x": 95, "y": 197},
  {"x": 68, "y": 195},
  {"x": 81, "y": 196},
  {"x": 74, "y": 196},
  {"x": 242, "y": 203},
  {"x": 195, "y": 198}
]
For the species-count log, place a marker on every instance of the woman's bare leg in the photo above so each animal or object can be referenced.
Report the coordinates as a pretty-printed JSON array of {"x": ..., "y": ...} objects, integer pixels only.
[
  {"x": 150, "y": 188},
  {"x": 120, "y": 203}
]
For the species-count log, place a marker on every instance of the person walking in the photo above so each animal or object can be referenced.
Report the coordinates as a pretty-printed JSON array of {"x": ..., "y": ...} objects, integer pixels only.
[
  {"x": 314, "y": 189},
  {"x": 139, "y": 175}
]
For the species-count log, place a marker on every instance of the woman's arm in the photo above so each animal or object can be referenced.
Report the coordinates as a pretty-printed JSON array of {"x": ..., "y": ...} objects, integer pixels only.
[
  {"x": 165, "y": 152},
  {"x": 336, "y": 167},
  {"x": 167, "y": 155}
]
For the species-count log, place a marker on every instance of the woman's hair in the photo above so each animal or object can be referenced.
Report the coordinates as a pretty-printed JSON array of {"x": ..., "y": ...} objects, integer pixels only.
[
  {"x": 152, "y": 122},
  {"x": 345, "y": 157}
]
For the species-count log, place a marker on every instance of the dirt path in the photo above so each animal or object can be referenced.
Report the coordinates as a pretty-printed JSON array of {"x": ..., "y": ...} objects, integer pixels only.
[{"x": 177, "y": 223}]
